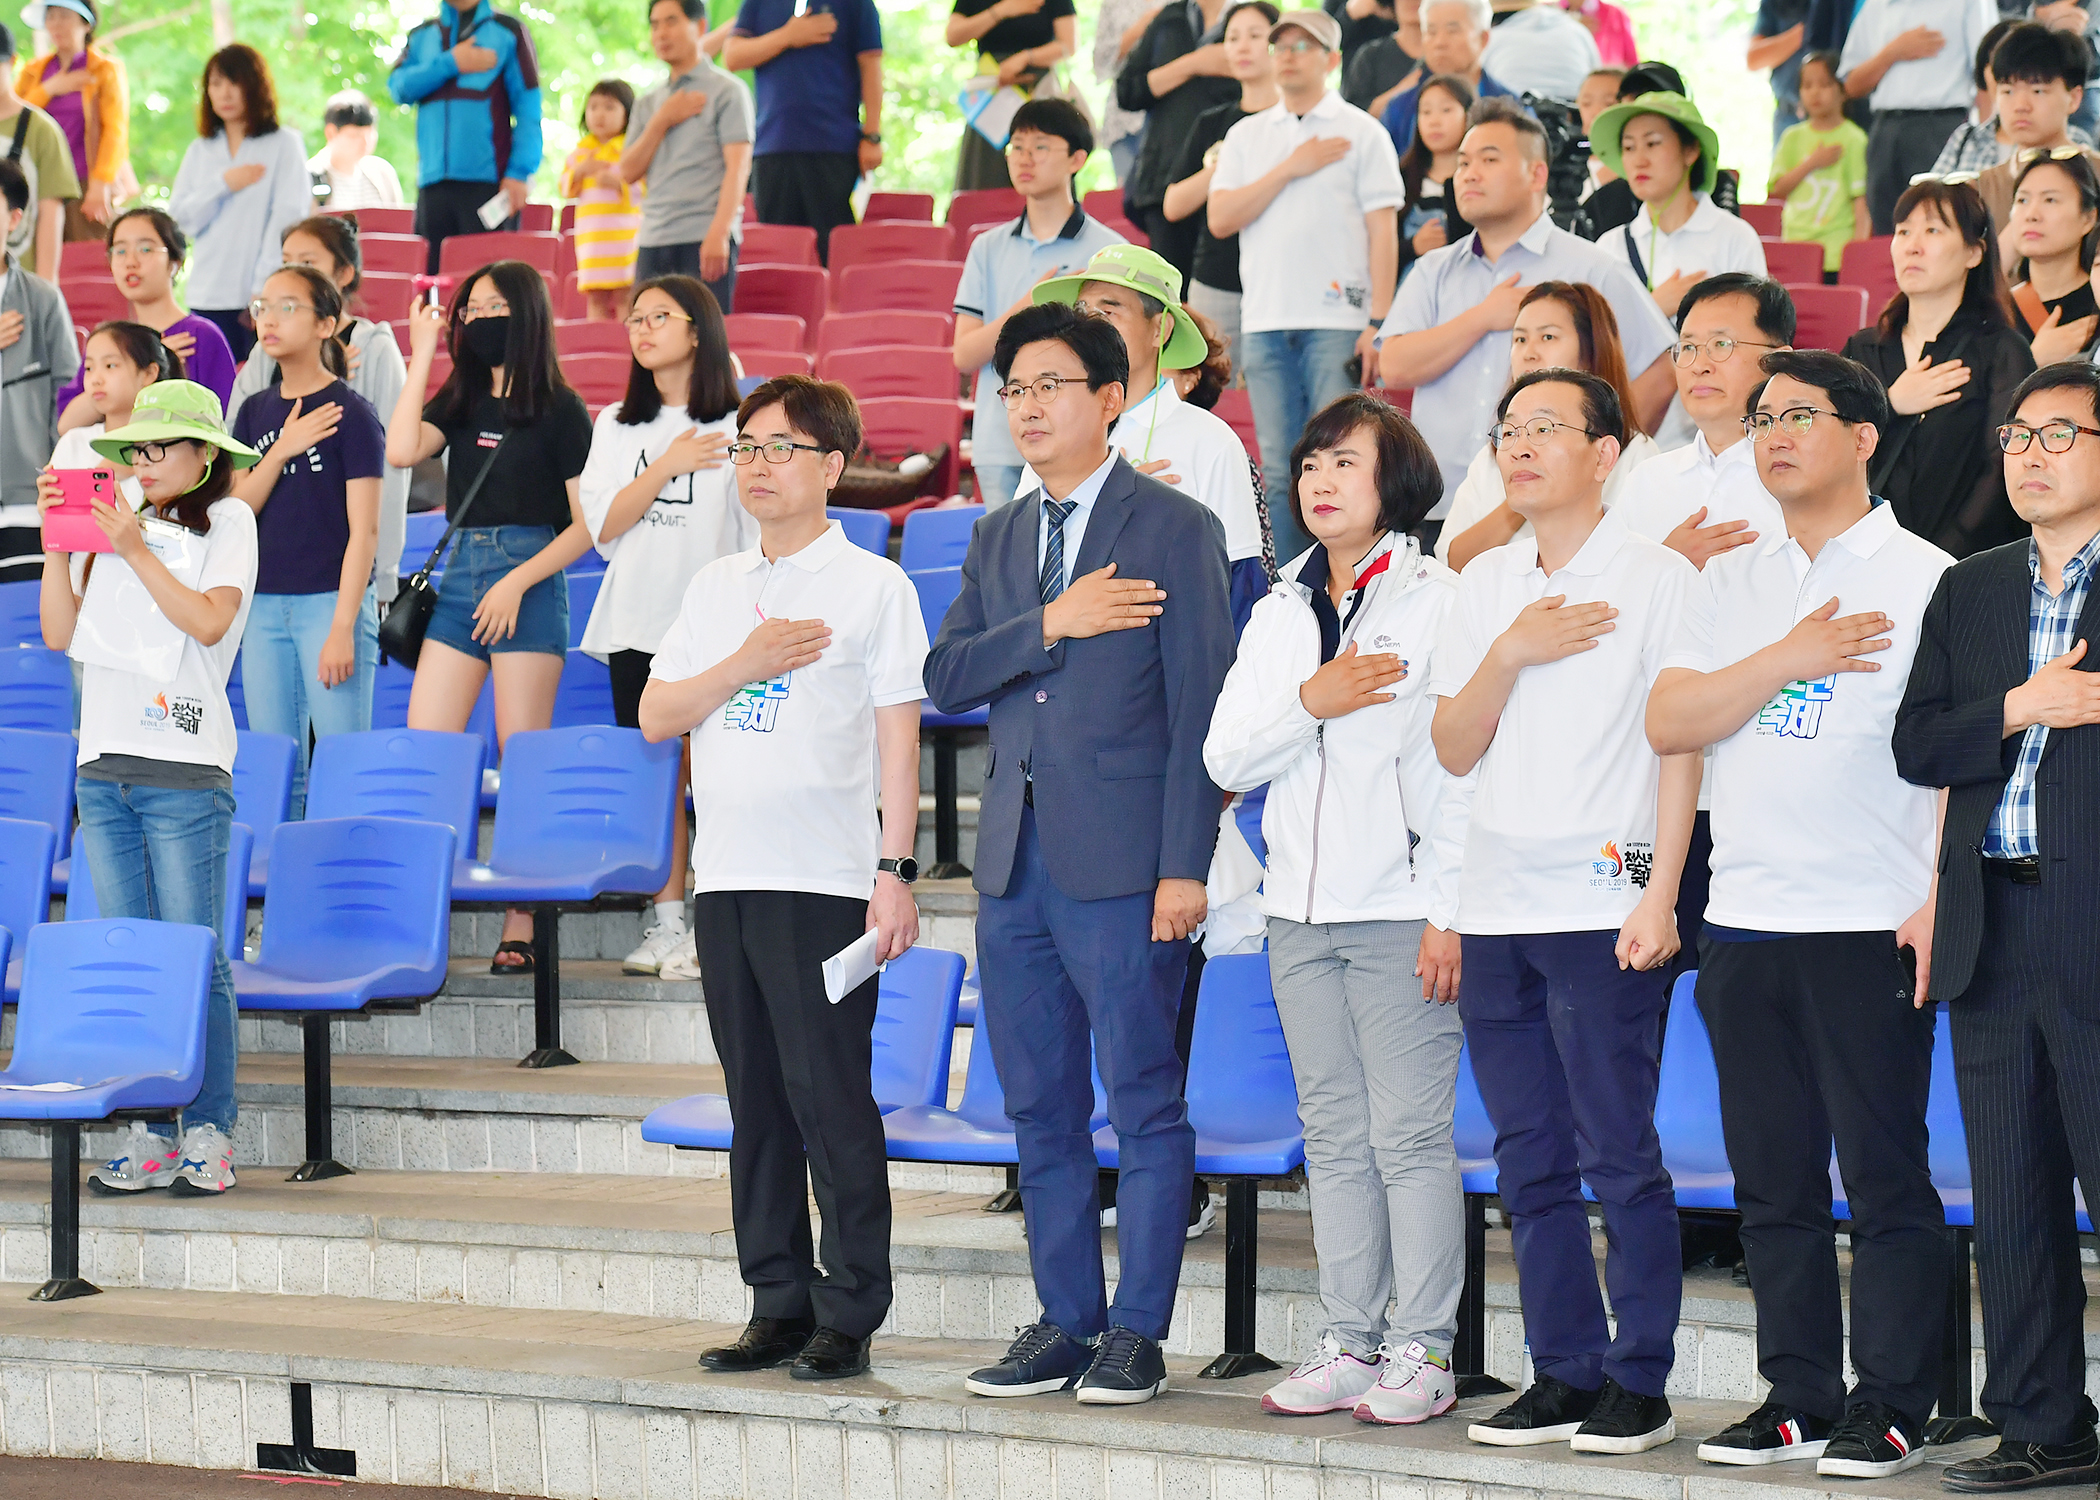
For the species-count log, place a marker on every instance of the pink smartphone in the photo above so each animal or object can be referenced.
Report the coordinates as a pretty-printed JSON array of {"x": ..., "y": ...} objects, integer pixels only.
[{"x": 70, "y": 525}]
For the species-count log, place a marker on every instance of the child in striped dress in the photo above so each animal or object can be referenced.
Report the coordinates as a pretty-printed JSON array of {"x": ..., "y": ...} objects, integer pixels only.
[{"x": 608, "y": 215}]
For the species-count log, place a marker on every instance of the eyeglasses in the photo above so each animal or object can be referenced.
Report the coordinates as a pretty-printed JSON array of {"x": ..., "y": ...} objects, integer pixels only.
[
  {"x": 2057, "y": 437},
  {"x": 133, "y": 454},
  {"x": 777, "y": 451},
  {"x": 1538, "y": 429},
  {"x": 1721, "y": 348},
  {"x": 653, "y": 320},
  {"x": 1043, "y": 387},
  {"x": 2048, "y": 153},
  {"x": 1799, "y": 420},
  {"x": 1296, "y": 49},
  {"x": 136, "y": 252},
  {"x": 1950, "y": 179},
  {"x": 486, "y": 310},
  {"x": 259, "y": 309},
  {"x": 1041, "y": 150}
]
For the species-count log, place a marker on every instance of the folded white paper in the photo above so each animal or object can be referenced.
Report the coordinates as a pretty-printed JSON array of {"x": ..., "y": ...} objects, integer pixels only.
[
  {"x": 851, "y": 967},
  {"x": 495, "y": 211}
]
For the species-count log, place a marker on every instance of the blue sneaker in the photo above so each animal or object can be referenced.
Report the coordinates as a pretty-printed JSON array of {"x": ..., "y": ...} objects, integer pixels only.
[{"x": 1044, "y": 1358}]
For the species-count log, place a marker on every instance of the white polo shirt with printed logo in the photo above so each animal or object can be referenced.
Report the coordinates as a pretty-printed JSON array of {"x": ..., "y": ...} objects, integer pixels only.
[
  {"x": 1813, "y": 829},
  {"x": 1563, "y": 828}
]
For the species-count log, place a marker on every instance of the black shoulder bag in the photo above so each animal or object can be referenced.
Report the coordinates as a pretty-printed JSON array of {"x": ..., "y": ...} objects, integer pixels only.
[{"x": 408, "y": 617}]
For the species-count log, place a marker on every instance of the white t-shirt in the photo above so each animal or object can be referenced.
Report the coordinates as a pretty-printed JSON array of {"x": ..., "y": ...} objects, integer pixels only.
[
  {"x": 784, "y": 773},
  {"x": 1813, "y": 829},
  {"x": 1482, "y": 490},
  {"x": 1563, "y": 826},
  {"x": 1205, "y": 456},
  {"x": 1305, "y": 262},
  {"x": 372, "y": 183},
  {"x": 695, "y": 519},
  {"x": 186, "y": 719}
]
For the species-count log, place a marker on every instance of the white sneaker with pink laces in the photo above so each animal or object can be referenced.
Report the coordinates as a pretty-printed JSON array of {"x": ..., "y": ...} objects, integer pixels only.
[
  {"x": 1333, "y": 1379},
  {"x": 1415, "y": 1386}
]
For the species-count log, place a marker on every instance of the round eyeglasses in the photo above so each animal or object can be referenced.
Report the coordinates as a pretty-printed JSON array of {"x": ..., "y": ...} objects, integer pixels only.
[
  {"x": 2057, "y": 437},
  {"x": 1538, "y": 429},
  {"x": 1720, "y": 348},
  {"x": 1043, "y": 387},
  {"x": 653, "y": 319}
]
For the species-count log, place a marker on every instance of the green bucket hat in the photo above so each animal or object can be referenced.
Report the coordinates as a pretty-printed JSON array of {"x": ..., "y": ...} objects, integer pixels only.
[
  {"x": 1141, "y": 271},
  {"x": 169, "y": 410},
  {"x": 1609, "y": 126}
]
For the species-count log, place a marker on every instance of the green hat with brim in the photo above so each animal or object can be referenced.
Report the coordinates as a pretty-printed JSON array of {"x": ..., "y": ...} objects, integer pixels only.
[
  {"x": 1142, "y": 271},
  {"x": 1611, "y": 125},
  {"x": 168, "y": 411}
]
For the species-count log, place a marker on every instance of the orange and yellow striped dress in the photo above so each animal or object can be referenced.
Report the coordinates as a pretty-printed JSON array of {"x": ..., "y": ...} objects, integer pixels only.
[{"x": 607, "y": 219}]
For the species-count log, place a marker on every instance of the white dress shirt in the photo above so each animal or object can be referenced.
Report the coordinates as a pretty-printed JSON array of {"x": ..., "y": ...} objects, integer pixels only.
[
  {"x": 1082, "y": 502},
  {"x": 1946, "y": 81}
]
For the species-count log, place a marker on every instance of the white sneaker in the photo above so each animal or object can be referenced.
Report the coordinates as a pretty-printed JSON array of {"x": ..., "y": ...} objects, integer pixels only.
[
  {"x": 207, "y": 1162},
  {"x": 1415, "y": 1386},
  {"x": 1332, "y": 1380},
  {"x": 659, "y": 942},
  {"x": 684, "y": 964},
  {"x": 143, "y": 1161}
]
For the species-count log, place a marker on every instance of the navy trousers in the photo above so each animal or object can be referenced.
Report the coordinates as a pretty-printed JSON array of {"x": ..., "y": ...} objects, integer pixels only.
[
  {"x": 1056, "y": 973},
  {"x": 1565, "y": 1047}
]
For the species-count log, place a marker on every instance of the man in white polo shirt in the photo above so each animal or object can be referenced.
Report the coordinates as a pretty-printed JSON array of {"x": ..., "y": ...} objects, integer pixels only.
[
  {"x": 1791, "y": 662},
  {"x": 1312, "y": 188},
  {"x": 1566, "y": 900},
  {"x": 796, "y": 668}
]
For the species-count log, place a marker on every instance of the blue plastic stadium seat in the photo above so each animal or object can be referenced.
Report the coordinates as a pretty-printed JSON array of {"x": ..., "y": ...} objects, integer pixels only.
[
  {"x": 966, "y": 1007},
  {"x": 25, "y": 889},
  {"x": 583, "y": 597},
  {"x": 424, "y": 775},
  {"x": 1688, "y": 1107},
  {"x": 262, "y": 793},
  {"x": 481, "y": 720},
  {"x": 237, "y": 695},
  {"x": 938, "y": 537},
  {"x": 937, "y": 588},
  {"x": 37, "y": 775},
  {"x": 423, "y": 531},
  {"x": 360, "y": 911},
  {"x": 117, "y": 1007},
  {"x": 589, "y": 812},
  {"x": 914, "y": 1030},
  {"x": 584, "y": 693},
  {"x": 21, "y": 613},
  {"x": 391, "y": 687},
  {"x": 1472, "y": 1133},
  {"x": 84, "y": 905},
  {"x": 866, "y": 529},
  {"x": 36, "y": 690}
]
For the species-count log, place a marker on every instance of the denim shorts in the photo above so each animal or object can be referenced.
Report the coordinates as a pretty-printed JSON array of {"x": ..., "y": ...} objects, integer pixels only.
[{"x": 482, "y": 556}]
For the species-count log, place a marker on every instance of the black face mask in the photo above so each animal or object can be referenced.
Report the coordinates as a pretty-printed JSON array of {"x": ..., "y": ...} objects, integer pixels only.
[{"x": 488, "y": 339}]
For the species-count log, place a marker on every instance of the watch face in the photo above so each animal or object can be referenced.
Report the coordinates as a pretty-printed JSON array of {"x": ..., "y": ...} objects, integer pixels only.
[{"x": 905, "y": 869}]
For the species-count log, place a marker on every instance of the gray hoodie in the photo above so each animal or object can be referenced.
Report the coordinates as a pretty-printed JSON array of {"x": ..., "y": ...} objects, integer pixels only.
[{"x": 31, "y": 371}]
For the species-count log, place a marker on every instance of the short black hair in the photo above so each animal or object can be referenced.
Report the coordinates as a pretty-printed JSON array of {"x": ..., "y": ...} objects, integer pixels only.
[
  {"x": 1775, "y": 305},
  {"x": 7, "y": 42},
  {"x": 1988, "y": 48},
  {"x": 1855, "y": 392},
  {"x": 2033, "y": 53},
  {"x": 1831, "y": 62},
  {"x": 1056, "y": 117},
  {"x": 1496, "y": 109},
  {"x": 1601, "y": 411},
  {"x": 2066, "y": 375},
  {"x": 350, "y": 108},
  {"x": 1409, "y": 481},
  {"x": 14, "y": 185},
  {"x": 695, "y": 10},
  {"x": 824, "y": 409},
  {"x": 1652, "y": 78},
  {"x": 1094, "y": 339}
]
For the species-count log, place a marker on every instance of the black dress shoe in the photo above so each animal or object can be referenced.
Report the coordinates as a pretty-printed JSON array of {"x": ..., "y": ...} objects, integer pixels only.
[
  {"x": 831, "y": 1355},
  {"x": 766, "y": 1342},
  {"x": 2027, "y": 1466}
]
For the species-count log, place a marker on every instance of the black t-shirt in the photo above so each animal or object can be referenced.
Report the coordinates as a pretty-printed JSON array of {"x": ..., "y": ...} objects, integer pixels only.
[
  {"x": 529, "y": 485},
  {"x": 2077, "y": 304},
  {"x": 1376, "y": 68},
  {"x": 1017, "y": 33},
  {"x": 1217, "y": 262}
]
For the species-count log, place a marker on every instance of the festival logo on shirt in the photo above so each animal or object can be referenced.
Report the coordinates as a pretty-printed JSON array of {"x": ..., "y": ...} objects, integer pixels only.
[
  {"x": 1612, "y": 870},
  {"x": 678, "y": 492},
  {"x": 1337, "y": 295},
  {"x": 756, "y": 705},
  {"x": 185, "y": 713},
  {"x": 1797, "y": 712}
]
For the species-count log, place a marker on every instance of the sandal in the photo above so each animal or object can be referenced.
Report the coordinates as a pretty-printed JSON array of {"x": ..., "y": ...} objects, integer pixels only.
[{"x": 514, "y": 945}]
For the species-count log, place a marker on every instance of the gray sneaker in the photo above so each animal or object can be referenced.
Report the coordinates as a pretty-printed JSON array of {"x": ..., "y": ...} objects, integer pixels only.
[
  {"x": 207, "y": 1163},
  {"x": 143, "y": 1161}
]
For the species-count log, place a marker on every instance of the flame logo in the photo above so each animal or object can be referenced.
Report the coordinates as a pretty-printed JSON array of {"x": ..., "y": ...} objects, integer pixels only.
[
  {"x": 1610, "y": 865},
  {"x": 158, "y": 708}
]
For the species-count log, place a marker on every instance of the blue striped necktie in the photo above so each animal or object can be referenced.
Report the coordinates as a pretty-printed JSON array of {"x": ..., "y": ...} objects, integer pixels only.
[{"x": 1054, "y": 548}]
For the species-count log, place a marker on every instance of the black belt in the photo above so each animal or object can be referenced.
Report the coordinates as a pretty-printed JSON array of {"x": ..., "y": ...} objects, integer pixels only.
[
  {"x": 2026, "y": 871},
  {"x": 1028, "y": 791}
]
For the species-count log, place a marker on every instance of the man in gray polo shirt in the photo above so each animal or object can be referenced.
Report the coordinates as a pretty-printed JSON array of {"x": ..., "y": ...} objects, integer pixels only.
[{"x": 691, "y": 138}]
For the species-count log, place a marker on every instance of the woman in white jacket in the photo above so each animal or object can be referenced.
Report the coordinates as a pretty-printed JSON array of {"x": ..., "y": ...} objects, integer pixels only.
[{"x": 1327, "y": 704}]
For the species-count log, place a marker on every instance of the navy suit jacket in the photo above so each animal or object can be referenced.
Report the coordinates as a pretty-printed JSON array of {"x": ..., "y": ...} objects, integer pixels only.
[{"x": 1111, "y": 728}]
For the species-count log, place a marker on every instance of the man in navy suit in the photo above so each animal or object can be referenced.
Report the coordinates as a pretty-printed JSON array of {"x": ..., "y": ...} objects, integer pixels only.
[{"x": 1095, "y": 618}]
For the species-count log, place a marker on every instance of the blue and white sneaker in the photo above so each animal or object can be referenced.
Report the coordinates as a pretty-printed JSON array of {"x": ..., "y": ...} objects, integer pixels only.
[
  {"x": 1042, "y": 1359},
  {"x": 145, "y": 1160},
  {"x": 206, "y": 1169}
]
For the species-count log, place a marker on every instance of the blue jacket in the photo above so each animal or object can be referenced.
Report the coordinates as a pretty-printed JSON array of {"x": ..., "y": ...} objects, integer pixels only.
[
  {"x": 1111, "y": 728},
  {"x": 471, "y": 127}
]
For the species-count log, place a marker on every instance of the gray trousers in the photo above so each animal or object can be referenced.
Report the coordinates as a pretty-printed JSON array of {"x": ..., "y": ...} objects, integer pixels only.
[
  {"x": 1903, "y": 143},
  {"x": 1377, "y": 1068}
]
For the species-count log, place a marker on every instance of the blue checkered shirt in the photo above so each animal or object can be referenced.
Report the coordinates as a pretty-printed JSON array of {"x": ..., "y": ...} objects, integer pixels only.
[{"x": 2052, "y": 629}]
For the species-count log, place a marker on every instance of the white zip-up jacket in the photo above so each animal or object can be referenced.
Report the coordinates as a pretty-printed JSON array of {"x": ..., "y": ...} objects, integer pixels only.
[{"x": 1362, "y": 823}]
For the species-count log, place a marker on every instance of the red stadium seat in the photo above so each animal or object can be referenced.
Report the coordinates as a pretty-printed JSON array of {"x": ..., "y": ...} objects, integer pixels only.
[
  {"x": 1236, "y": 410},
  {"x": 470, "y": 252},
  {"x": 895, "y": 426},
  {"x": 984, "y": 206},
  {"x": 926, "y": 330},
  {"x": 892, "y": 370},
  {"x": 567, "y": 221},
  {"x": 400, "y": 327},
  {"x": 1763, "y": 217},
  {"x": 1104, "y": 203},
  {"x": 1870, "y": 265},
  {"x": 1402, "y": 401},
  {"x": 1128, "y": 230},
  {"x": 1825, "y": 316},
  {"x": 766, "y": 363},
  {"x": 601, "y": 379},
  {"x": 765, "y": 331},
  {"x": 889, "y": 207},
  {"x": 82, "y": 258},
  {"x": 537, "y": 218},
  {"x": 779, "y": 245},
  {"x": 872, "y": 244},
  {"x": 382, "y": 220},
  {"x": 407, "y": 253},
  {"x": 92, "y": 302},
  {"x": 569, "y": 301},
  {"x": 572, "y": 337},
  {"x": 900, "y": 285},
  {"x": 565, "y": 253},
  {"x": 386, "y": 295},
  {"x": 803, "y": 291},
  {"x": 1794, "y": 261}
]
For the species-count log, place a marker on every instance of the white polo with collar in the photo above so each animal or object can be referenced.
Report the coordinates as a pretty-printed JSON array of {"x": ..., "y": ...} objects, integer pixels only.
[
  {"x": 1305, "y": 261},
  {"x": 1813, "y": 829},
  {"x": 1668, "y": 490},
  {"x": 1563, "y": 828},
  {"x": 784, "y": 788}
]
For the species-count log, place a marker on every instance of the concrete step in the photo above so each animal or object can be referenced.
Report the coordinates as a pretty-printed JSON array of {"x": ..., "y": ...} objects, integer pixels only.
[{"x": 612, "y": 1406}]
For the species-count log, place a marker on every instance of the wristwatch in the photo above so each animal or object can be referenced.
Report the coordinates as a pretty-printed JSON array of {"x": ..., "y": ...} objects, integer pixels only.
[
  {"x": 872, "y": 137},
  {"x": 905, "y": 869}
]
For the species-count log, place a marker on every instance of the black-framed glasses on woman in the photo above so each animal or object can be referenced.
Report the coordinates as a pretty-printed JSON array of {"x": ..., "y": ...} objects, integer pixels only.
[
  {"x": 1799, "y": 420},
  {"x": 131, "y": 455},
  {"x": 1538, "y": 429},
  {"x": 777, "y": 451},
  {"x": 1721, "y": 349},
  {"x": 2057, "y": 436}
]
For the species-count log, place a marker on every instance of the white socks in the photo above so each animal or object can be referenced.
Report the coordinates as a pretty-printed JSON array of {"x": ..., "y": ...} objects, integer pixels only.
[{"x": 671, "y": 914}]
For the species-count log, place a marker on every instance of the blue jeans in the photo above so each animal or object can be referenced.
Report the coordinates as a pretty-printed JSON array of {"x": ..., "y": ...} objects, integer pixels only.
[
  {"x": 1292, "y": 373},
  {"x": 281, "y": 674},
  {"x": 161, "y": 855},
  {"x": 996, "y": 483}
]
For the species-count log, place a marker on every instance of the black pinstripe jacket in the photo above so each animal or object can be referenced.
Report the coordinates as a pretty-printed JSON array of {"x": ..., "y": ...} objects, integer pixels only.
[{"x": 1972, "y": 650}]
